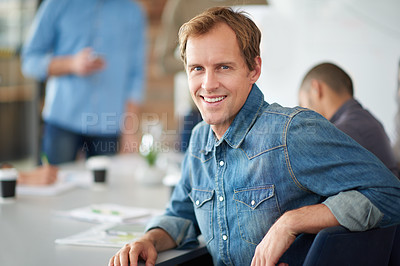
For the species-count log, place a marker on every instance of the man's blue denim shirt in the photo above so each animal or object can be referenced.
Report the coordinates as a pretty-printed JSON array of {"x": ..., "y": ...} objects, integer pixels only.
[{"x": 274, "y": 159}]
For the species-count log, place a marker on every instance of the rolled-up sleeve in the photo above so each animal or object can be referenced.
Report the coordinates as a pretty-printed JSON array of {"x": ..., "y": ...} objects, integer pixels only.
[
  {"x": 354, "y": 211},
  {"x": 181, "y": 230}
]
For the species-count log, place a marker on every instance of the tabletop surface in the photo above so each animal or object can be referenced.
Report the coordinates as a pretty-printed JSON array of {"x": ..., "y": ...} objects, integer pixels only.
[{"x": 29, "y": 226}]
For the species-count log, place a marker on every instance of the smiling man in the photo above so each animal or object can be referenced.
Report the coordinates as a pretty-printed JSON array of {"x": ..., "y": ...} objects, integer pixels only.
[
  {"x": 258, "y": 177},
  {"x": 219, "y": 79}
]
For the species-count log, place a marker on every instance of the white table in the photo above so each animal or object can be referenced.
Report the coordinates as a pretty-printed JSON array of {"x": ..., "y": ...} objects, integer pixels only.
[{"x": 28, "y": 227}]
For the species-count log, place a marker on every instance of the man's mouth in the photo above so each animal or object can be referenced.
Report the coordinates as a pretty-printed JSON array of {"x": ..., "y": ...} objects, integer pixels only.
[{"x": 214, "y": 99}]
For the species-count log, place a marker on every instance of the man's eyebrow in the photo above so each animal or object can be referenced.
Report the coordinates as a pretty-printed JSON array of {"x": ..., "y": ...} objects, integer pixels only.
[
  {"x": 216, "y": 64},
  {"x": 225, "y": 63},
  {"x": 193, "y": 65}
]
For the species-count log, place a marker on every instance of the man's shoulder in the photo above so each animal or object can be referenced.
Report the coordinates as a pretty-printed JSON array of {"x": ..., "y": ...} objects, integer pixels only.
[
  {"x": 357, "y": 118},
  {"x": 280, "y": 119},
  {"x": 277, "y": 109},
  {"x": 131, "y": 5},
  {"x": 55, "y": 5}
]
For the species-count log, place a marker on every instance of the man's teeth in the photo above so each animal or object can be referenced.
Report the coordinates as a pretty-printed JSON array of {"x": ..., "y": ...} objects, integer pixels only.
[{"x": 213, "y": 100}]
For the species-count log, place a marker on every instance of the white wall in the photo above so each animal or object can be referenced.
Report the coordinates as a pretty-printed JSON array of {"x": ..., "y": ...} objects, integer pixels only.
[{"x": 361, "y": 36}]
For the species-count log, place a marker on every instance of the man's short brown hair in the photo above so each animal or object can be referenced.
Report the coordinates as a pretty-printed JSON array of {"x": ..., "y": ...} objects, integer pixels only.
[
  {"x": 247, "y": 33},
  {"x": 335, "y": 77}
]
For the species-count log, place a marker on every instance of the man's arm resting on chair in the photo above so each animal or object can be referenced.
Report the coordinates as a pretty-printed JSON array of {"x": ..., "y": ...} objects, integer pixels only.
[
  {"x": 350, "y": 209},
  {"x": 309, "y": 219},
  {"x": 153, "y": 241}
]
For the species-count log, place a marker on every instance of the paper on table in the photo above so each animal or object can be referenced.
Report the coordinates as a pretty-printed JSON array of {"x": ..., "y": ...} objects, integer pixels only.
[
  {"x": 50, "y": 190},
  {"x": 66, "y": 180},
  {"x": 107, "y": 213},
  {"x": 81, "y": 178},
  {"x": 101, "y": 236}
]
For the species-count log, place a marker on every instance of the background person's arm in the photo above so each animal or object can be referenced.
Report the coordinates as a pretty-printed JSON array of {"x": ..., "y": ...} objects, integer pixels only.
[
  {"x": 39, "y": 57},
  {"x": 42, "y": 175},
  {"x": 84, "y": 63},
  {"x": 155, "y": 240},
  {"x": 309, "y": 219}
]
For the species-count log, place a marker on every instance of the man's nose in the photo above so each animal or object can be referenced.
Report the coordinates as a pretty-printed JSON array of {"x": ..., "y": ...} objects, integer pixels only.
[{"x": 210, "y": 81}]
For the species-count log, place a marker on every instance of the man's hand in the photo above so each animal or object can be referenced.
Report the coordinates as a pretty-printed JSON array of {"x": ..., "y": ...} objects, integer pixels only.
[
  {"x": 274, "y": 244},
  {"x": 309, "y": 219},
  {"x": 146, "y": 248},
  {"x": 83, "y": 63},
  {"x": 86, "y": 62},
  {"x": 130, "y": 253}
]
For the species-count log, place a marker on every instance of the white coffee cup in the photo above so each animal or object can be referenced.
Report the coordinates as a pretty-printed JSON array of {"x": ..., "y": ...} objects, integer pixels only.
[
  {"x": 8, "y": 182},
  {"x": 99, "y": 166}
]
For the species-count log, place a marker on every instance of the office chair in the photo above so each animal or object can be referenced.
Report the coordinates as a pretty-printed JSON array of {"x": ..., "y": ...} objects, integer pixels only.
[
  {"x": 339, "y": 246},
  {"x": 395, "y": 255}
]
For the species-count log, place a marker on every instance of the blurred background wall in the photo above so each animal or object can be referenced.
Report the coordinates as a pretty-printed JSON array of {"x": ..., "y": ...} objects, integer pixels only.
[{"x": 362, "y": 36}]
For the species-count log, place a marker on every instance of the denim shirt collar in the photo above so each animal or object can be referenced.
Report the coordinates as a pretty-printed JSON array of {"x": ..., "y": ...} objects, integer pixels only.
[{"x": 242, "y": 122}]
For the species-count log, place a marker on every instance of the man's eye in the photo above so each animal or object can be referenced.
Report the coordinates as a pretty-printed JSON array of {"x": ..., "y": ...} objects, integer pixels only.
[
  {"x": 197, "y": 68},
  {"x": 224, "y": 67}
]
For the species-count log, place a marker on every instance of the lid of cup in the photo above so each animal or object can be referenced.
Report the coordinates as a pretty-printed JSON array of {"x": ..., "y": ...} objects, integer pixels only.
[
  {"x": 8, "y": 174},
  {"x": 98, "y": 162}
]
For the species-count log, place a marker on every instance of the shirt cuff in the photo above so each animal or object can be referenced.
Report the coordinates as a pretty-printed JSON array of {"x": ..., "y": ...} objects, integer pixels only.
[
  {"x": 354, "y": 211},
  {"x": 37, "y": 67},
  {"x": 181, "y": 230}
]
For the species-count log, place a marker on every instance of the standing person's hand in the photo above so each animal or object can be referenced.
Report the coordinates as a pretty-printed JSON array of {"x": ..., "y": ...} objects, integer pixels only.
[{"x": 87, "y": 62}]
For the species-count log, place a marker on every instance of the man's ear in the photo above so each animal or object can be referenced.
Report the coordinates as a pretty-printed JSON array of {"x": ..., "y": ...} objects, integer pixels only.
[
  {"x": 256, "y": 72},
  {"x": 316, "y": 89}
]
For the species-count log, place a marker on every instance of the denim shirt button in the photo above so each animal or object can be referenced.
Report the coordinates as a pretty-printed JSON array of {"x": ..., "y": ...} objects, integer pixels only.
[
  {"x": 221, "y": 198},
  {"x": 225, "y": 237},
  {"x": 197, "y": 202},
  {"x": 252, "y": 203},
  {"x": 221, "y": 163}
]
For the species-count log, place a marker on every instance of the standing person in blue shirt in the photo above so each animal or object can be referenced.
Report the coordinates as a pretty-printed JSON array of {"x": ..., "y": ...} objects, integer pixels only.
[
  {"x": 257, "y": 177},
  {"x": 328, "y": 90},
  {"x": 93, "y": 55}
]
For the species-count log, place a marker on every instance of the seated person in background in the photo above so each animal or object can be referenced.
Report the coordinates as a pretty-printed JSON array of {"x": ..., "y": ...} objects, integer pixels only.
[
  {"x": 41, "y": 175},
  {"x": 258, "y": 177},
  {"x": 328, "y": 90}
]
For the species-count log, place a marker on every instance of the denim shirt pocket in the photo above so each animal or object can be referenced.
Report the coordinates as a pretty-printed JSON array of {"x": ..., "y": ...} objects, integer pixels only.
[
  {"x": 203, "y": 208},
  {"x": 257, "y": 209}
]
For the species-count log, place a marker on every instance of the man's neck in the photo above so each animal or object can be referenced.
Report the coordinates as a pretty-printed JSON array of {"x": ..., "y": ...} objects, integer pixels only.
[
  {"x": 334, "y": 105},
  {"x": 219, "y": 131}
]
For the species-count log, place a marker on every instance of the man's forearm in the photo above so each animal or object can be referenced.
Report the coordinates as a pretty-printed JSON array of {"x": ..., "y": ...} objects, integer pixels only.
[
  {"x": 60, "y": 66},
  {"x": 309, "y": 219},
  {"x": 84, "y": 63}
]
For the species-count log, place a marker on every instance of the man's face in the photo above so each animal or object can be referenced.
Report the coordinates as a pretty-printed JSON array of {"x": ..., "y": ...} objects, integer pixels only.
[
  {"x": 308, "y": 99},
  {"x": 219, "y": 79},
  {"x": 304, "y": 99}
]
